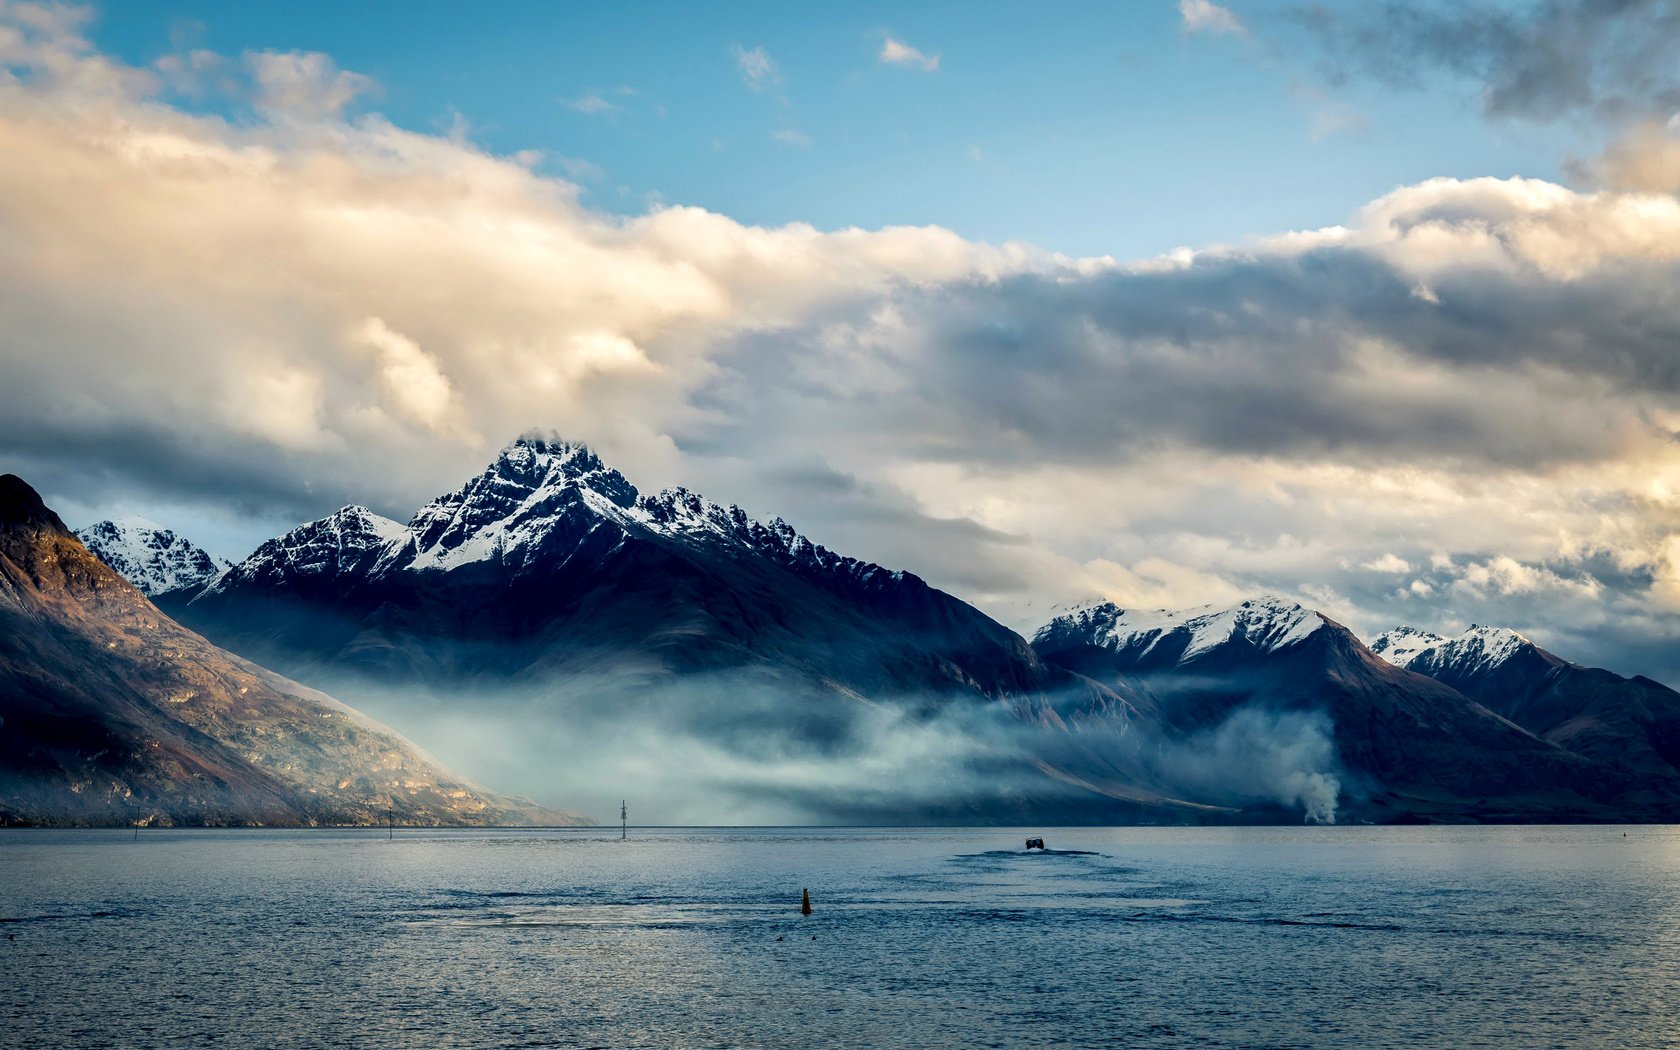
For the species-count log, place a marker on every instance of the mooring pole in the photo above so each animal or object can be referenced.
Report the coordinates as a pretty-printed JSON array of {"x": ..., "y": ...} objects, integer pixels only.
[{"x": 623, "y": 820}]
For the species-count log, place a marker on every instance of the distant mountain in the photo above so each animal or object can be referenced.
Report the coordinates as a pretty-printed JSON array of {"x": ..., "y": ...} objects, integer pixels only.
[
  {"x": 1413, "y": 747},
  {"x": 551, "y": 562},
  {"x": 548, "y": 589},
  {"x": 152, "y": 558},
  {"x": 547, "y": 596},
  {"x": 110, "y": 712},
  {"x": 1632, "y": 724}
]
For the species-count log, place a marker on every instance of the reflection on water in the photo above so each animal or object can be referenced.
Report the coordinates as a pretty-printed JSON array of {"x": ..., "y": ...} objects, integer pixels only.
[{"x": 1222, "y": 937}]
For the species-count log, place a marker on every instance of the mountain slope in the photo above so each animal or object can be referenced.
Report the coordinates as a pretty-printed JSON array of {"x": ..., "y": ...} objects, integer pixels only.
[
  {"x": 154, "y": 559},
  {"x": 552, "y": 600},
  {"x": 1630, "y": 723},
  {"x": 110, "y": 713},
  {"x": 1413, "y": 747},
  {"x": 549, "y": 562}
]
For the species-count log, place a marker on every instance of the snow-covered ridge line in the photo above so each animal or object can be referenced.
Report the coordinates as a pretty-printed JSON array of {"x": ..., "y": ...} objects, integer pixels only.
[
  {"x": 151, "y": 557},
  {"x": 538, "y": 492},
  {"x": 1479, "y": 648},
  {"x": 1268, "y": 623},
  {"x": 679, "y": 511},
  {"x": 348, "y": 536}
]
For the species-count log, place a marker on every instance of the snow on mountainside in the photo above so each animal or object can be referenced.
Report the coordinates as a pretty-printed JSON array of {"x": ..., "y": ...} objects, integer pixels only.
[
  {"x": 677, "y": 512},
  {"x": 1267, "y": 623},
  {"x": 511, "y": 508},
  {"x": 539, "y": 492},
  {"x": 151, "y": 557},
  {"x": 1477, "y": 649},
  {"x": 345, "y": 540}
]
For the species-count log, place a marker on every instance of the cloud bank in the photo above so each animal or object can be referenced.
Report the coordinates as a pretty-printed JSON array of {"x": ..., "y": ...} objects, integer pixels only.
[{"x": 225, "y": 282}]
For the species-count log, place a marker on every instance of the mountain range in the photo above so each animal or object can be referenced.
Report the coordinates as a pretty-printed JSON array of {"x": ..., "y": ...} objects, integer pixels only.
[
  {"x": 111, "y": 713},
  {"x": 548, "y": 622}
]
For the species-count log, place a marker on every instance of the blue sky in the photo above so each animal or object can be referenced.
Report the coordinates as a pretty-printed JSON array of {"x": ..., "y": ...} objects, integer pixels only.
[{"x": 1084, "y": 128}]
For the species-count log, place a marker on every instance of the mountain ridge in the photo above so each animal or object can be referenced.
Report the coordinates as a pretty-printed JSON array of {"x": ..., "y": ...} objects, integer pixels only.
[
  {"x": 113, "y": 713},
  {"x": 154, "y": 559}
]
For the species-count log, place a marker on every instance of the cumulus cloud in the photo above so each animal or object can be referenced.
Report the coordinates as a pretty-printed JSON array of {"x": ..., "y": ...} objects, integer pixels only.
[
  {"x": 412, "y": 380},
  {"x": 898, "y": 53},
  {"x": 1205, "y": 16},
  {"x": 1643, "y": 159},
  {"x": 278, "y": 315},
  {"x": 1388, "y": 563},
  {"x": 304, "y": 85}
]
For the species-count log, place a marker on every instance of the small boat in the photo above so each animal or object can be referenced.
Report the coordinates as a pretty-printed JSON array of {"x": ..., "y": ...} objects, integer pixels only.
[{"x": 1035, "y": 843}]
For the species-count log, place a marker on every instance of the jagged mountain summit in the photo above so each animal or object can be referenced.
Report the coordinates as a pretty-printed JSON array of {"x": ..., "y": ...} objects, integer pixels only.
[
  {"x": 549, "y": 560},
  {"x": 1478, "y": 650},
  {"x": 151, "y": 557},
  {"x": 548, "y": 593},
  {"x": 1166, "y": 637},
  {"x": 1413, "y": 747},
  {"x": 113, "y": 713},
  {"x": 549, "y": 596},
  {"x": 1630, "y": 723}
]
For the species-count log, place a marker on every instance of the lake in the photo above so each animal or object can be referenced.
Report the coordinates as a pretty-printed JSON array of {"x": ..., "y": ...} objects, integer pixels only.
[{"x": 1299, "y": 937}]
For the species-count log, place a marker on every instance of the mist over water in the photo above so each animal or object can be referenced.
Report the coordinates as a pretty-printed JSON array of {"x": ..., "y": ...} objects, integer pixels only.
[
  {"x": 730, "y": 748},
  {"x": 1224, "y": 937}
]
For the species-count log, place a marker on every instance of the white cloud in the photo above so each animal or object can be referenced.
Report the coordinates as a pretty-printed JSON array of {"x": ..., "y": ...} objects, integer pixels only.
[
  {"x": 413, "y": 380},
  {"x": 1505, "y": 575},
  {"x": 757, "y": 68},
  {"x": 590, "y": 103},
  {"x": 1205, "y": 16},
  {"x": 792, "y": 137},
  {"x": 1388, "y": 563},
  {"x": 303, "y": 85},
  {"x": 1643, "y": 159},
  {"x": 897, "y": 53},
  {"x": 296, "y": 311}
]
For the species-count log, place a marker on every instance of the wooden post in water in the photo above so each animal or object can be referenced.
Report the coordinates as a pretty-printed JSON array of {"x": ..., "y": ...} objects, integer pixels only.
[
  {"x": 805, "y": 903},
  {"x": 623, "y": 819}
]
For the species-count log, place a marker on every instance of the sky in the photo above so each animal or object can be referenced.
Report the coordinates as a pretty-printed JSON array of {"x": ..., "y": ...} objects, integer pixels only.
[{"x": 1165, "y": 302}]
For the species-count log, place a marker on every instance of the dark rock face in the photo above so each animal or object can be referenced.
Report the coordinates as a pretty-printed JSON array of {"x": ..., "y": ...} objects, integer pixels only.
[
  {"x": 1631, "y": 725},
  {"x": 113, "y": 713},
  {"x": 549, "y": 561},
  {"x": 1412, "y": 746}
]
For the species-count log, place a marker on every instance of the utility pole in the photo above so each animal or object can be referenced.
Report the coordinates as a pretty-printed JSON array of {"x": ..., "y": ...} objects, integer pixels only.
[{"x": 623, "y": 820}]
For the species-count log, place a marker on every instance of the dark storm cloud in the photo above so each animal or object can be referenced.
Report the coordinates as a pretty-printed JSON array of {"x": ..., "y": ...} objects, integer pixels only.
[
  {"x": 1289, "y": 355},
  {"x": 1614, "y": 60}
]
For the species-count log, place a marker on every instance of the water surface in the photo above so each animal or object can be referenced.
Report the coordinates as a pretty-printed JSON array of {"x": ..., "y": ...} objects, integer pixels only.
[{"x": 1451, "y": 937}]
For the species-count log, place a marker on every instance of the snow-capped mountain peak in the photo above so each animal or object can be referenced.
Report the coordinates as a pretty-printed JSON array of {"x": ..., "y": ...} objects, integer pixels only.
[
  {"x": 687, "y": 515},
  {"x": 679, "y": 511},
  {"x": 1267, "y": 623},
  {"x": 153, "y": 558},
  {"x": 1404, "y": 644},
  {"x": 1479, "y": 648},
  {"x": 349, "y": 539},
  {"x": 515, "y": 502},
  {"x": 540, "y": 502}
]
